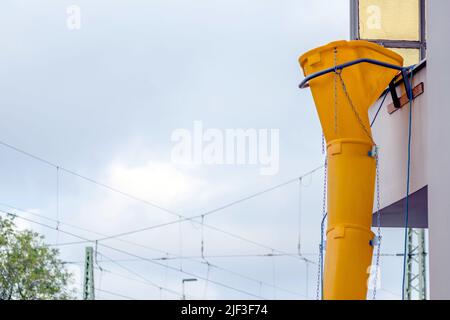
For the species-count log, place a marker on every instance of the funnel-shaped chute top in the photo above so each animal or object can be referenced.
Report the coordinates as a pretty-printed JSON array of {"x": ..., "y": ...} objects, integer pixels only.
[{"x": 343, "y": 97}]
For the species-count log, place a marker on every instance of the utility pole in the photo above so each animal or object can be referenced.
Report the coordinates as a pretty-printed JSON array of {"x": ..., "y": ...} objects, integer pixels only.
[
  {"x": 88, "y": 285},
  {"x": 416, "y": 272}
]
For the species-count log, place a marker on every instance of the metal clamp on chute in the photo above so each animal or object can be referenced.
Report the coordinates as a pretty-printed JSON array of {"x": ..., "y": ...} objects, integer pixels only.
[{"x": 337, "y": 69}]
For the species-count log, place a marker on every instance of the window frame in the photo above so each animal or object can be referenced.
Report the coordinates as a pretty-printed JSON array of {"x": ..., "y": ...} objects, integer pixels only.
[{"x": 399, "y": 44}]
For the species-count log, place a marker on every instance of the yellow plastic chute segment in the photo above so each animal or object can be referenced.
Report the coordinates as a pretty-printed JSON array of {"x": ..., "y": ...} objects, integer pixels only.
[
  {"x": 351, "y": 168},
  {"x": 351, "y": 181},
  {"x": 364, "y": 82}
]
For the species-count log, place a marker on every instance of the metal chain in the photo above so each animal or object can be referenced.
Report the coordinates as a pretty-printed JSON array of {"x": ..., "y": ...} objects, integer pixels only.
[
  {"x": 366, "y": 131},
  {"x": 323, "y": 143},
  {"x": 377, "y": 263},
  {"x": 335, "y": 94},
  {"x": 344, "y": 87},
  {"x": 319, "y": 271}
]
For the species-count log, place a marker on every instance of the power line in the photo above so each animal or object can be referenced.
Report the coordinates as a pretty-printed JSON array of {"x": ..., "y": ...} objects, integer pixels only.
[
  {"x": 115, "y": 294},
  {"x": 168, "y": 255},
  {"x": 233, "y": 256},
  {"x": 157, "y": 206},
  {"x": 193, "y": 218},
  {"x": 151, "y": 283},
  {"x": 140, "y": 257},
  {"x": 130, "y": 278},
  {"x": 100, "y": 184},
  {"x": 259, "y": 193},
  {"x": 181, "y": 218},
  {"x": 68, "y": 243},
  {"x": 78, "y": 228},
  {"x": 185, "y": 272}
]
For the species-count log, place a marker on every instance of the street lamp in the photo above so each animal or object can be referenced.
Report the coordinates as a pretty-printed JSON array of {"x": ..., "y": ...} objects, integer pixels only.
[{"x": 183, "y": 297}]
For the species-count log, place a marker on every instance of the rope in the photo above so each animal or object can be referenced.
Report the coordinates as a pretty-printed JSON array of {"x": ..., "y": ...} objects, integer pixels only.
[
  {"x": 408, "y": 178},
  {"x": 379, "y": 109}
]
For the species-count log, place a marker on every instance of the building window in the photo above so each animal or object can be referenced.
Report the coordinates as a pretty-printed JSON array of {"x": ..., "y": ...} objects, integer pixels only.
[{"x": 399, "y": 25}]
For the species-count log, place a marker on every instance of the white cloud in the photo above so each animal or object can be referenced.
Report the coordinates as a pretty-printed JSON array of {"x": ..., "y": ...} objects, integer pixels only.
[{"x": 161, "y": 181}]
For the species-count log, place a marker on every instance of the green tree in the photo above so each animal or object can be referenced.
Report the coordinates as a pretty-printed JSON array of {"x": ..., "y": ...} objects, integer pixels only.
[{"x": 29, "y": 269}]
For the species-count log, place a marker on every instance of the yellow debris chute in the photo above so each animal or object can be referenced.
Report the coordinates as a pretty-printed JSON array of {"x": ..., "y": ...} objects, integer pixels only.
[{"x": 342, "y": 99}]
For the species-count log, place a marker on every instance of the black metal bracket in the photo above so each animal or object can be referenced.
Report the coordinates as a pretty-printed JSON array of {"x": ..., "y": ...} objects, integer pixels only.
[
  {"x": 404, "y": 72},
  {"x": 393, "y": 91}
]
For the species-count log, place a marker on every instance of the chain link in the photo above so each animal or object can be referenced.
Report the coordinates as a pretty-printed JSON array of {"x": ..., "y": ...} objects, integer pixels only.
[
  {"x": 324, "y": 208},
  {"x": 335, "y": 94},
  {"x": 337, "y": 76},
  {"x": 319, "y": 274},
  {"x": 377, "y": 263},
  {"x": 344, "y": 87},
  {"x": 323, "y": 143}
]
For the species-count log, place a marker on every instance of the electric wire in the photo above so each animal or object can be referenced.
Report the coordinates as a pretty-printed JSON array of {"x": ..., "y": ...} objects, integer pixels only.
[
  {"x": 181, "y": 218},
  {"x": 58, "y": 168},
  {"x": 78, "y": 228},
  {"x": 131, "y": 279},
  {"x": 168, "y": 255},
  {"x": 199, "y": 216},
  {"x": 234, "y": 256},
  {"x": 115, "y": 294},
  {"x": 140, "y": 257},
  {"x": 144, "y": 279}
]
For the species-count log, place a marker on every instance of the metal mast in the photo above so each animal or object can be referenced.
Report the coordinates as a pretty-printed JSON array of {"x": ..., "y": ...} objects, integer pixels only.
[
  {"x": 88, "y": 285},
  {"x": 416, "y": 272}
]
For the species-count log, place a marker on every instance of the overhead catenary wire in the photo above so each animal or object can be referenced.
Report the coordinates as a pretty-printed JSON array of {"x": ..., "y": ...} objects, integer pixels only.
[
  {"x": 41, "y": 216},
  {"x": 144, "y": 279},
  {"x": 235, "y": 256},
  {"x": 180, "y": 217},
  {"x": 168, "y": 256},
  {"x": 218, "y": 283},
  {"x": 215, "y": 266},
  {"x": 115, "y": 294},
  {"x": 200, "y": 216},
  {"x": 58, "y": 168},
  {"x": 86, "y": 178},
  {"x": 133, "y": 197},
  {"x": 116, "y": 274}
]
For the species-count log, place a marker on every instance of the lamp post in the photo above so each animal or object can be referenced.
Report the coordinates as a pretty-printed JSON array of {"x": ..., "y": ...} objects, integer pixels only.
[{"x": 183, "y": 297}]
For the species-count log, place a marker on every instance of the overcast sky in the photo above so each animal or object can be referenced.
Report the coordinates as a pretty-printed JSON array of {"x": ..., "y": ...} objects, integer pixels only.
[{"x": 104, "y": 100}]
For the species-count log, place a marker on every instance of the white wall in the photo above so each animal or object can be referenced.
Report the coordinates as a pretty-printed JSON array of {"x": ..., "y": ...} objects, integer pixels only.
[
  {"x": 438, "y": 87},
  {"x": 390, "y": 132}
]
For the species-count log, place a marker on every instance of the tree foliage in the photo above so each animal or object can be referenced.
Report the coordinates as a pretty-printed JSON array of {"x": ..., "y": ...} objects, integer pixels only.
[{"x": 29, "y": 269}]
